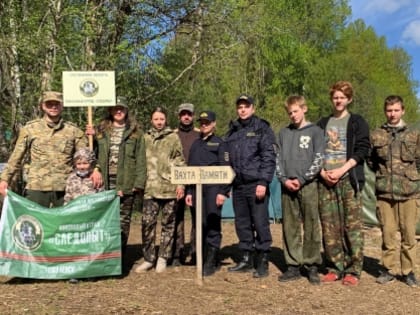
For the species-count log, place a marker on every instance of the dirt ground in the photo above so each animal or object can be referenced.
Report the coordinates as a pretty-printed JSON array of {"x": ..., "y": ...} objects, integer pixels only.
[{"x": 177, "y": 291}]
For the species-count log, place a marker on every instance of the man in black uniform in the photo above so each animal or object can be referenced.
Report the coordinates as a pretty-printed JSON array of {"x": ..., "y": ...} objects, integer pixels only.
[
  {"x": 252, "y": 153},
  {"x": 208, "y": 150}
]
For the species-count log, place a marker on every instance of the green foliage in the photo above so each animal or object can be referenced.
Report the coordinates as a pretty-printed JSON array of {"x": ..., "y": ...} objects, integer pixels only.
[{"x": 205, "y": 52}]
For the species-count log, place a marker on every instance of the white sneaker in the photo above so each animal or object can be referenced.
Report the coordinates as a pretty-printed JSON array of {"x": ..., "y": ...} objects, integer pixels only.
[
  {"x": 161, "y": 265},
  {"x": 143, "y": 267}
]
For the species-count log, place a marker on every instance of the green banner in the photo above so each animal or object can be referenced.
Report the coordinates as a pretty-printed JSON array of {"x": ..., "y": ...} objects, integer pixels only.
[{"x": 79, "y": 240}]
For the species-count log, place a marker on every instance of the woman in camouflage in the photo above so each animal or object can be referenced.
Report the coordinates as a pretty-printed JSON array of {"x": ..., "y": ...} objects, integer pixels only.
[{"x": 163, "y": 150}]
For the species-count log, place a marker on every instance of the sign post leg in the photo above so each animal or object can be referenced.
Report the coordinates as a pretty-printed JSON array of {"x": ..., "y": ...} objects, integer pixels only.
[{"x": 199, "y": 233}]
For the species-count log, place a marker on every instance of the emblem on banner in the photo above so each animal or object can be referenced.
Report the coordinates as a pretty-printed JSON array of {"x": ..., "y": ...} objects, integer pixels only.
[{"x": 27, "y": 233}]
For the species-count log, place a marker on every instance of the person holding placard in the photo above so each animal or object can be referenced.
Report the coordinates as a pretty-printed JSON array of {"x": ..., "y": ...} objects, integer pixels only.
[{"x": 120, "y": 145}]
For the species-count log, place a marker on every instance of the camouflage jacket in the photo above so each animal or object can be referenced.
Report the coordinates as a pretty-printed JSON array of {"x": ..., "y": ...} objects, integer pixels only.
[
  {"x": 78, "y": 186},
  {"x": 163, "y": 150},
  {"x": 395, "y": 158},
  {"x": 131, "y": 168},
  {"x": 50, "y": 151}
]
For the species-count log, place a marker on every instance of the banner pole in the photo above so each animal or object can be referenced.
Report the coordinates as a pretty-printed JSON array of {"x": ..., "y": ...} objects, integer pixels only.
[{"x": 90, "y": 123}]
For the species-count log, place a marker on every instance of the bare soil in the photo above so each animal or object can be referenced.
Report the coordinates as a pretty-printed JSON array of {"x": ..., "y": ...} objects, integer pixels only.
[{"x": 177, "y": 290}]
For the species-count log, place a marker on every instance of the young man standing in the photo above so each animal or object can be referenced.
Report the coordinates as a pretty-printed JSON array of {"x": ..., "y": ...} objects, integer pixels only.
[
  {"x": 299, "y": 161},
  {"x": 341, "y": 184},
  {"x": 251, "y": 147},
  {"x": 50, "y": 142},
  {"x": 395, "y": 159}
]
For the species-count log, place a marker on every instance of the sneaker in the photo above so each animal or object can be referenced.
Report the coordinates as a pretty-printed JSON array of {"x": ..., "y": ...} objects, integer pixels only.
[
  {"x": 330, "y": 277},
  {"x": 385, "y": 277},
  {"x": 73, "y": 281},
  {"x": 145, "y": 266},
  {"x": 313, "y": 276},
  {"x": 291, "y": 274},
  {"x": 410, "y": 280},
  {"x": 350, "y": 279},
  {"x": 161, "y": 265}
]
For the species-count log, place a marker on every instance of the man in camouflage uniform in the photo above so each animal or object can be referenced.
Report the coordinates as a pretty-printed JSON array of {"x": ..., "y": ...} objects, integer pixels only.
[
  {"x": 50, "y": 143},
  {"x": 395, "y": 159}
]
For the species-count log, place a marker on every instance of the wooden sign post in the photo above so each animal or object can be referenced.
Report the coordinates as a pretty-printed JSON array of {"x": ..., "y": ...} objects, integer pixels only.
[
  {"x": 199, "y": 175},
  {"x": 89, "y": 88}
]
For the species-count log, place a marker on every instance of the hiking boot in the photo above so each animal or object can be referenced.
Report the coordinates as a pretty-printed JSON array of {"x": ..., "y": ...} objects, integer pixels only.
[
  {"x": 350, "y": 279},
  {"x": 245, "y": 265},
  {"x": 292, "y": 273},
  {"x": 161, "y": 265},
  {"x": 262, "y": 265},
  {"x": 330, "y": 277},
  {"x": 211, "y": 265},
  {"x": 313, "y": 275},
  {"x": 145, "y": 266},
  {"x": 410, "y": 280},
  {"x": 385, "y": 277}
]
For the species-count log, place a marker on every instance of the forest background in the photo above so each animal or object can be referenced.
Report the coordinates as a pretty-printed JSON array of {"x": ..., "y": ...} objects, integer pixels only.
[{"x": 166, "y": 52}]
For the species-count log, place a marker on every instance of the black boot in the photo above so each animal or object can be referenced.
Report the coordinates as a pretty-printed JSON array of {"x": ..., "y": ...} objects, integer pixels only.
[
  {"x": 211, "y": 265},
  {"x": 246, "y": 264},
  {"x": 262, "y": 265}
]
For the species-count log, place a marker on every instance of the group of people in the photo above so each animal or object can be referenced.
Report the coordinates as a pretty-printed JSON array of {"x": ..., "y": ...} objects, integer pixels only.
[{"x": 320, "y": 167}]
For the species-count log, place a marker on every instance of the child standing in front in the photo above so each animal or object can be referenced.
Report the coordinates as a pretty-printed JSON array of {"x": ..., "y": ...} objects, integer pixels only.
[
  {"x": 79, "y": 182},
  {"x": 299, "y": 161}
]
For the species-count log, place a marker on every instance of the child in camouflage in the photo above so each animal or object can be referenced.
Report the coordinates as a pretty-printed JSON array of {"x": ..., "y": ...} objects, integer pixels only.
[{"x": 79, "y": 182}]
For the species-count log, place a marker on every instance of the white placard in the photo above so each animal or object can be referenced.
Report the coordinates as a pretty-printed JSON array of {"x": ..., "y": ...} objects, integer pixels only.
[{"x": 88, "y": 88}]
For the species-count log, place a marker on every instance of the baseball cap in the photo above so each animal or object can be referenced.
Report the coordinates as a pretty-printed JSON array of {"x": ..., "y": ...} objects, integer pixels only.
[
  {"x": 121, "y": 101},
  {"x": 245, "y": 98},
  {"x": 207, "y": 115},
  {"x": 52, "y": 96},
  {"x": 186, "y": 106}
]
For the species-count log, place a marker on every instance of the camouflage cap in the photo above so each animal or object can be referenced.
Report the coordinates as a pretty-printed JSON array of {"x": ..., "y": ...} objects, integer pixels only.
[
  {"x": 48, "y": 96},
  {"x": 86, "y": 154},
  {"x": 121, "y": 101},
  {"x": 186, "y": 106}
]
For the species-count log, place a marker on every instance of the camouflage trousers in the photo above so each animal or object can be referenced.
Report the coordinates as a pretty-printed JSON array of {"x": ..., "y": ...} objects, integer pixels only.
[
  {"x": 126, "y": 210},
  {"x": 301, "y": 209},
  {"x": 397, "y": 216},
  {"x": 149, "y": 219},
  {"x": 341, "y": 218}
]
